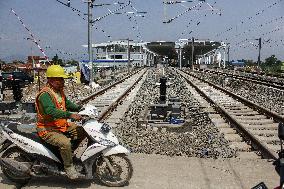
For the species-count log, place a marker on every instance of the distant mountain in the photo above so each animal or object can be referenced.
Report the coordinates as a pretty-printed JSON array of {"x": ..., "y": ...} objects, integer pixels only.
[{"x": 15, "y": 57}]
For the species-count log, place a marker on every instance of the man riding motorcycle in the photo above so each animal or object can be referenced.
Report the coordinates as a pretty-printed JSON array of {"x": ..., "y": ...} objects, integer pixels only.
[{"x": 53, "y": 110}]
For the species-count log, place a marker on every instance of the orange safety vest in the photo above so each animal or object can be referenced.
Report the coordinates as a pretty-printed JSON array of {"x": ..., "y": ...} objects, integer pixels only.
[{"x": 46, "y": 123}]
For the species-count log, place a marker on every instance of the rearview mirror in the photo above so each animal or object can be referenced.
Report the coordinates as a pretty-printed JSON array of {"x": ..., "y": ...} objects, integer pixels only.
[{"x": 281, "y": 131}]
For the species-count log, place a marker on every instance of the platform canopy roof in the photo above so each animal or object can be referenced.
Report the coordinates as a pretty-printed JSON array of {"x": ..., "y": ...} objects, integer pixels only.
[
  {"x": 169, "y": 49},
  {"x": 201, "y": 47},
  {"x": 163, "y": 48}
]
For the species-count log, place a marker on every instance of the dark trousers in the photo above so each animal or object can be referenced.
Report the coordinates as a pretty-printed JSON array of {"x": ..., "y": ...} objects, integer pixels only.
[{"x": 63, "y": 141}]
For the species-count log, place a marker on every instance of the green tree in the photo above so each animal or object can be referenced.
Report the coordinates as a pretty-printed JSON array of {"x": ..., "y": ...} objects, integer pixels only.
[
  {"x": 249, "y": 63},
  {"x": 271, "y": 64},
  {"x": 2, "y": 62},
  {"x": 272, "y": 60},
  {"x": 73, "y": 62},
  {"x": 57, "y": 61}
]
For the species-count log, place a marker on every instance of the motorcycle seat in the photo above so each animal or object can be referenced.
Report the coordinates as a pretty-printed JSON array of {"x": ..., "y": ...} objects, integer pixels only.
[{"x": 16, "y": 128}]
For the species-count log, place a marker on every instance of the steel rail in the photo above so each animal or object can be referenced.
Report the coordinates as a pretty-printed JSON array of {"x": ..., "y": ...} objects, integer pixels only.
[
  {"x": 253, "y": 105},
  {"x": 100, "y": 92},
  {"x": 256, "y": 142},
  {"x": 105, "y": 113},
  {"x": 277, "y": 85}
]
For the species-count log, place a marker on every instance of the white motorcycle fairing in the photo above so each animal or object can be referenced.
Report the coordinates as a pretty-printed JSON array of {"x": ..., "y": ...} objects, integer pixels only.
[
  {"x": 28, "y": 145},
  {"x": 92, "y": 150},
  {"x": 115, "y": 150},
  {"x": 105, "y": 142},
  {"x": 93, "y": 128},
  {"x": 106, "y": 151}
]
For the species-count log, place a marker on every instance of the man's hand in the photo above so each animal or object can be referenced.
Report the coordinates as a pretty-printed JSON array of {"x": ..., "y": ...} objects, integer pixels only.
[{"x": 76, "y": 117}]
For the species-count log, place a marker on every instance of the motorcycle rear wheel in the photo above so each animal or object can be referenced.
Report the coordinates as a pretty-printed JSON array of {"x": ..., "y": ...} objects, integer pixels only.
[
  {"x": 121, "y": 164},
  {"x": 20, "y": 156}
]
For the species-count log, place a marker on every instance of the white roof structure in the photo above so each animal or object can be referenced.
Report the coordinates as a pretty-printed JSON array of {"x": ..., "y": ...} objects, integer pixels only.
[{"x": 120, "y": 42}]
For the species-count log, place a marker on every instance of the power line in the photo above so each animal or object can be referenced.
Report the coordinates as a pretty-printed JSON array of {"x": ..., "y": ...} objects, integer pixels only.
[
  {"x": 249, "y": 18},
  {"x": 68, "y": 4},
  {"x": 179, "y": 15},
  {"x": 111, "y": 12}
]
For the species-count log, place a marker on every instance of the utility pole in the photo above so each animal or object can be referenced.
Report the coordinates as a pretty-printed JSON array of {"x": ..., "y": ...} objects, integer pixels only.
[
  {"x": 192, "y": 52},
  {"x": 33, "y": 61},
  {"x": 128, "y": 56},
  {"x": 259, "y": 47},
  {"x": 180, "y": 54},
  {"x": 1, "y": 84},
  {"x": 90, "y": 51},
  {"x": 228, "y": 54},
  {"x": 140, "y": 55}
]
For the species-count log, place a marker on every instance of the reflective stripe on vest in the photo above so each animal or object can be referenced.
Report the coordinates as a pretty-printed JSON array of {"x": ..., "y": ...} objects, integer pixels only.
[{"x": 45, "y": 123}]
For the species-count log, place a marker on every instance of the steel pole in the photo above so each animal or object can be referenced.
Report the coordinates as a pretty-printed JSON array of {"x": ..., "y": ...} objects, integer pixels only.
[
  {"x": 128, "y": 56},
  {"x": 1, "y": 84},
  {"x": 33, "y": 61},
  {"x": 259, "y": 47},
  {"x": 140, "y": 49},
  {"x": 192, "y": 52},
  {"x": 180, "y": 56},
  {"x": 90, "y": 52},
  {"x": 228, "y": 54}
]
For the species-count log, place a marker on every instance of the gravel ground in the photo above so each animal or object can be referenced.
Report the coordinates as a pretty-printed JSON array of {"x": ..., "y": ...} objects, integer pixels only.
[{"x": 198, "y": 137}]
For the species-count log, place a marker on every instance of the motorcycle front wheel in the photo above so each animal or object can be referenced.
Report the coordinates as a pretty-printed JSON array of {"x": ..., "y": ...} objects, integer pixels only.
[
  {"x": 20, "y": 156},
  {"x": 121, "y": 174}
]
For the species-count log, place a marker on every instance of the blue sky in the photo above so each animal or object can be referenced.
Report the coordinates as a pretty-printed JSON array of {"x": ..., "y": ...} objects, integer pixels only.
[{"x": 60, "y": 30}]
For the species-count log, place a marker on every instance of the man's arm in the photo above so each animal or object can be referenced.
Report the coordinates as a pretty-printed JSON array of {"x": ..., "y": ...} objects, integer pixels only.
[{"x": 72, "y": 106}]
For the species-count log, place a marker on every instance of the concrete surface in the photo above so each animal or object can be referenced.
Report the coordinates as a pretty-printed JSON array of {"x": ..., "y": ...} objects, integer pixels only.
[{"x": 163, "y": 172}]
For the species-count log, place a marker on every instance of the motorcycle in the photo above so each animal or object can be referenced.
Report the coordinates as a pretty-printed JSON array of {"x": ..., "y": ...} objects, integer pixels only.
[{"x": 25, "y": 155}]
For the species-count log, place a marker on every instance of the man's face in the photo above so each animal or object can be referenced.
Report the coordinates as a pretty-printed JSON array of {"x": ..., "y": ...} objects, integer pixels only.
[{"x": 57, "y": 83}]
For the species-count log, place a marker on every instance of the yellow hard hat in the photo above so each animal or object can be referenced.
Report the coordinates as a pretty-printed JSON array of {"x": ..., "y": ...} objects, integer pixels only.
[{"x": 55, "y": 71}]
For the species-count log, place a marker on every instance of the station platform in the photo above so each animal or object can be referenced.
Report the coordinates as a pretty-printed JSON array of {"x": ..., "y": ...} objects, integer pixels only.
[{"x": 163, "y": 172}]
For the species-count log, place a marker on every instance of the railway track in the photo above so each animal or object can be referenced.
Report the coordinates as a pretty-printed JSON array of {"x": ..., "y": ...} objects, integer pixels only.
[
  {"x": 248, "y": 122},
  {"x": 258, "y": 80},
  {"x": 107, "y": 99}
]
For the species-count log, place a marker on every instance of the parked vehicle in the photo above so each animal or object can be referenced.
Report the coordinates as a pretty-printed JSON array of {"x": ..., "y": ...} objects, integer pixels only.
[
  {"x": 22, "y": 78},
  {"x": 30, "y": 157}
]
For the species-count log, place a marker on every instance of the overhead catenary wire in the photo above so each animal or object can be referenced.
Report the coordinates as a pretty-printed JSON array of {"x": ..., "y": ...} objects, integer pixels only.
[
  {"x": 62, "y": 52},
  {"x": 131, "y": 15},
  {"x": 196, "y": 23},
  {"x": 261, "y": 25},
  {"x": 248, "y": 18},
  {"x": 111, "y": 12},
  {"x": 179, "y": 15},
  {"x": 242, "y": 44},
  {"x": 246, "y": 43},
  {"x": 96, "y": 27},
  {"x": 139, "y": 36},
  {"x": 263, "y": 34},
  {"x": 68, "y": 4}
]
